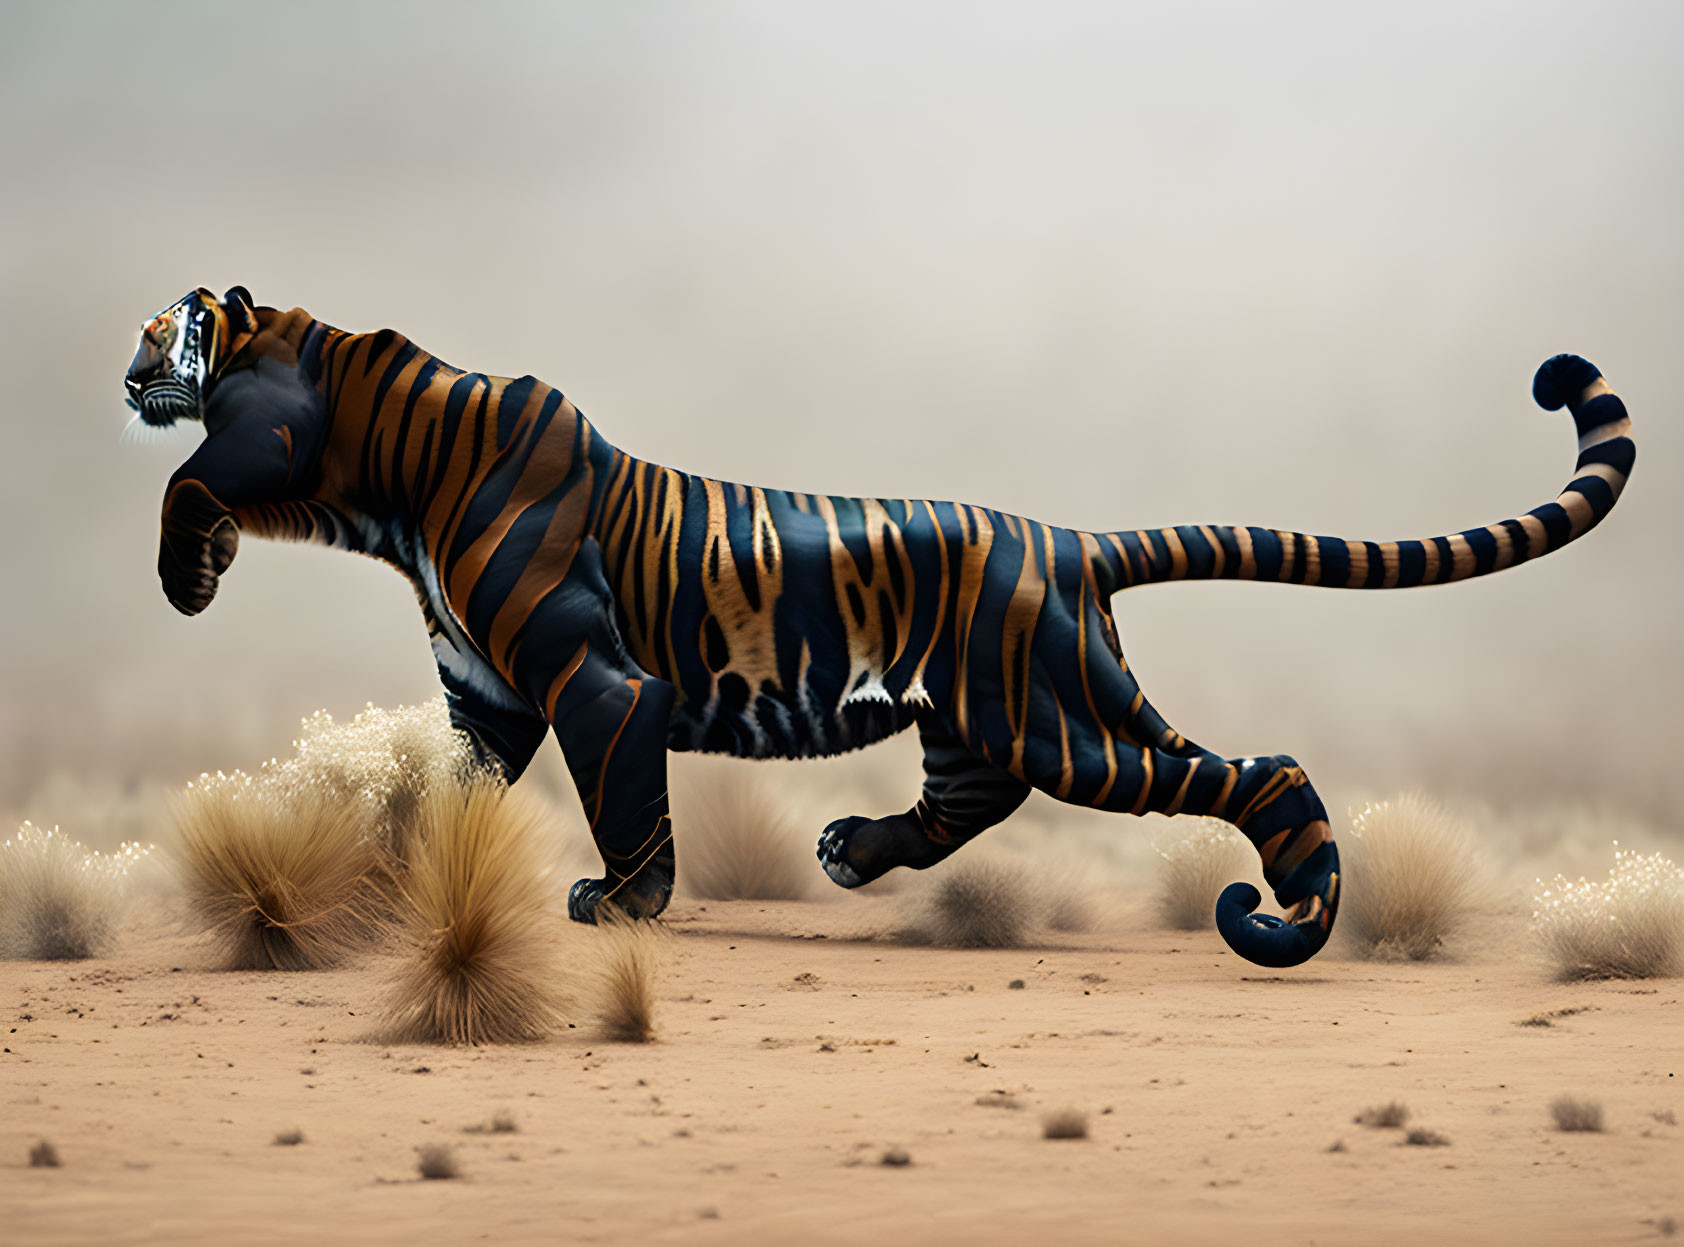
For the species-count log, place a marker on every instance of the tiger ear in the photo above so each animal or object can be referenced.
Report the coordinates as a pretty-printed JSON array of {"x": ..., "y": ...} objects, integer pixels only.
[{"x": 238, "y": 304}]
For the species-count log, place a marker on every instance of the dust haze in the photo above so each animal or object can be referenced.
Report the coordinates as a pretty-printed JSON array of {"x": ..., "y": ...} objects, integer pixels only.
[{"x": 1106, "y": 269}]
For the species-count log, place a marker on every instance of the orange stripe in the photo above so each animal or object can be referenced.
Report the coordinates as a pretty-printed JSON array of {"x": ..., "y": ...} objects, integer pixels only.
[{"x": 636, "y": 687}]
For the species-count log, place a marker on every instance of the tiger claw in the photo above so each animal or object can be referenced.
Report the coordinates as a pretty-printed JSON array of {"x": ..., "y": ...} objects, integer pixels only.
[
  {"x": 583, "y": 898},
  {"x": 586, "y": 897}
]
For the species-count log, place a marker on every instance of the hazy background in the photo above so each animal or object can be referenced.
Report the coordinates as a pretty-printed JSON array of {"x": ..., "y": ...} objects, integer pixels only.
[{"x": 1108, "y": 268}]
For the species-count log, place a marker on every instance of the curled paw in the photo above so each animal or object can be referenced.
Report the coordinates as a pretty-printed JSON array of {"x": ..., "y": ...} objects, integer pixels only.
[
  {"x": 583, "y": 898},
  {"x": 833, "y": 851}
]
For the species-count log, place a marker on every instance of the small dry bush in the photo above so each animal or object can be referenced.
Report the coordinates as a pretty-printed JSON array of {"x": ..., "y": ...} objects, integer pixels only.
[
  {"x": 58, "y": 900},
  {"x": 386, "y": 760},
  {"x": 1420, "y": 1137},
  {"x": 1629, "y": 926},
  {"x": 277, "y": 868},
  {"x": 973, "y": 903},
  {"x": 43, "y": 1156},
  {"x": 1067, "y": 901},
  {"x": 479, "y": 938},
  {"x": 1573, "y": 1114},
  {"x": 624, "y": 964},
  {"x": 1201, "y": 856},
  {"x": 289, "y": 1138},
  {"x": 738, "y": 841},
  {"x": 1065, "y": 1123},
  {"x": 1384, "y": 1117},
  {"x": 1412, "y": 881},
  {"x": 436, "y": 1162}
]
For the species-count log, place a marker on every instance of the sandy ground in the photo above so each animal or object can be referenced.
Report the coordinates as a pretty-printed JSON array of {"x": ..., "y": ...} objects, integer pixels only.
[{"x": 792, "y": 1056}]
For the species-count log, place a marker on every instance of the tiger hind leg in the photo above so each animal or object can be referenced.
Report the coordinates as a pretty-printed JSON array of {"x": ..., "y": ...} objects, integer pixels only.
[
  {"x": 1117, "y": 753},
  {"x": 963, "y": 796}
]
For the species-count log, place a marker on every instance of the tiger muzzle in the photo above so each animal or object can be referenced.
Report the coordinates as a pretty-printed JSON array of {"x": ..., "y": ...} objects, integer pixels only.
[{"x": 164, "y": 400}]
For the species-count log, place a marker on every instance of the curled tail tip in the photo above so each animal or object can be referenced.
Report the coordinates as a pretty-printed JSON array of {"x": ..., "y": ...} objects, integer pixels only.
[
  {"x": 1280, "y": 943},
  {"x": 1263, "y": 939},
  {"x": 1561, "y": 379}
]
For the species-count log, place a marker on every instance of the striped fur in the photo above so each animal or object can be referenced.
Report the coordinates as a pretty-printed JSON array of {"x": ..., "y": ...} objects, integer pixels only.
[{"x": 636, "y": 608}]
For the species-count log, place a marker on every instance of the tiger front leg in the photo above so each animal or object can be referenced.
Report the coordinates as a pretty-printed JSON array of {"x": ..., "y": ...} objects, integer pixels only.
[
  {"x": 244, "y": 463},
  {"x": 613, "y": 731}
]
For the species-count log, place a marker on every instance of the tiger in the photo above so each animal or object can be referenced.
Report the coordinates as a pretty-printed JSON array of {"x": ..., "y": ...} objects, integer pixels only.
[{"x": 634, "y": 608}]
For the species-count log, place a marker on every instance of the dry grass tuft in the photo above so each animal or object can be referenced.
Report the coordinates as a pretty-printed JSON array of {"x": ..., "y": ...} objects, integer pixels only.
[
  {"x": 502, "y": 1122},
  {"x": 1413, "y": 881},
  {"x": 387, "y": 761},
  {"x": 1201, "y": 856},
  {"x": 289, "y": 1138},
  {"x": 1573, "y": 1114},
  {"x": 437, "y": 1163},
  {"x": 277, "y": 868},
  {"x": 626, "y": 962},
  {"x": 58, "y": 900},
  {"x": 479, "y": 938},
  {"x": 973, "y": 903},
  {"x": 43, "y": 1156},
  {"x": 1067, "y": 901},
  {"x": 1419, "y": 1137},
  {"x": 1629, "y": 926},
  {"x": 739, "y": 841},
  {"x": 1385, "y": 1117},
  {"x": 1064, "y": 1123}
]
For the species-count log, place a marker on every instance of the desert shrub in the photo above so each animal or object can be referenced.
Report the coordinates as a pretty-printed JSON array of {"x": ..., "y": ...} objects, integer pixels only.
[
  {"x": 480, "y": 949},
  {"x": 436, "y": 1163},
  {"x": 58, "y": 900},
  {"x": 1629, "y": 926},
  {"x": 623, "y": 965},
  {"x": 973, "y": 903},
  {"x": 1201, "y": 856},
  {"x": 43, "y": 1156},
  {"x": 386, "y": 759},
  {"x": 1385, "y": 1116},
  {"x": 289, "y": 1138},
  {"x": 1066, "y": 900},
  {"x": 738, "y": 841},
  {"x": 1573, "y": 1114},
  {"x": 277, "y": 868},
  {"x": 1412, "y": 881},
  {"x": 1420, "y": 1137},
  {"x": 1065, "y": 1123}
]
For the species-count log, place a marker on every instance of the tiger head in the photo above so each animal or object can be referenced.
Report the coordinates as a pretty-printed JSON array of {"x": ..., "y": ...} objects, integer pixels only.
[{"x": 183, "y": 350}]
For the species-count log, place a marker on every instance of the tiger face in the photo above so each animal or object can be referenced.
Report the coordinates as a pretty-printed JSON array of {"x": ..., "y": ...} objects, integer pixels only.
[{"x": 182, "y": 350}]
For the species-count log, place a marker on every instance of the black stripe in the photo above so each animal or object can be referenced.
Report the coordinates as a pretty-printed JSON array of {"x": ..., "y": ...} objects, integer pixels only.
[
  {"x": 1558, "y": 527},
  {"x": 1446, "y": 560},
  {"x": 1617, "y": 452},
  {"x": 1484, "y": 545},
  {"x": 509, "y": 407},
  {"x": 1335, "y": 561},
  {"x": 1266, "y": 553},
  {"x": 1411, "y": 564},
  {"x": 1601, "y": 410},
  {"x": 1522, "y": 543},
  {"x": 1376, "y": 566}
]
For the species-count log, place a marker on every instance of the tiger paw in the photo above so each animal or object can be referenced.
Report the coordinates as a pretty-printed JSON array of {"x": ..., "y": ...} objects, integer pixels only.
[
  {"x": 189, "y": 585},
  {"x": 637, "y": 898},
  {"x": 583, "y": 898},
  {"x": 833, "y": 851}
]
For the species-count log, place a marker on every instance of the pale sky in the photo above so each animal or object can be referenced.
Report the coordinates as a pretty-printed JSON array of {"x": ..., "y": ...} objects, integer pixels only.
[{"x": 1191, "y": 263}]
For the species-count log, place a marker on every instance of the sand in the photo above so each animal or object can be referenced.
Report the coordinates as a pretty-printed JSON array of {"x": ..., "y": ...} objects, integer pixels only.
[{"x": 792, "y": 1055}]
